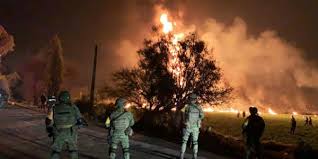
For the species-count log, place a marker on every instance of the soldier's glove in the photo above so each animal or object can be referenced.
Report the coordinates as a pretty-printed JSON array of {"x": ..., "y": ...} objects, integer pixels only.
[
  {"x": 49, "y": 130},
  {"x": 129, "y": 131},
  {"x": 109, "y": 139}
]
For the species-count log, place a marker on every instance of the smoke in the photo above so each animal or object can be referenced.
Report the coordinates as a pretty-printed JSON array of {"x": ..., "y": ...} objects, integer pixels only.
[{"x": 265, "y": 70}]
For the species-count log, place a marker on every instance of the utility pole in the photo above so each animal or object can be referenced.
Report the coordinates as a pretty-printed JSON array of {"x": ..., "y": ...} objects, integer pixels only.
[{"x": 93, "y": 81}]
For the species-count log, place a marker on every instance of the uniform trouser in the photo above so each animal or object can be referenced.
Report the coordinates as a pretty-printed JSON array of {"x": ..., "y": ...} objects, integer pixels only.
[
  {"x": 253, "y": 149},
  {"x": 66, "y": 137},
  {"x": 194, "y": 132},
  {"x": 115, "y": 141}
]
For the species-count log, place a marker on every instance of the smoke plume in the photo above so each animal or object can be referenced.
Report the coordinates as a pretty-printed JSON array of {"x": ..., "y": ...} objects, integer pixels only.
[{"x": 264, "y": 69}]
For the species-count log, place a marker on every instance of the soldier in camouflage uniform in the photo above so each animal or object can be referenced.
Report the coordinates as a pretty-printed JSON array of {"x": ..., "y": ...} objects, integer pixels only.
[
  {"x": 193, "y": 116},
  {"x": 253, "y": 129},
  {"x": 61, "y": 123},
  {"x": 119, "y": 124}
]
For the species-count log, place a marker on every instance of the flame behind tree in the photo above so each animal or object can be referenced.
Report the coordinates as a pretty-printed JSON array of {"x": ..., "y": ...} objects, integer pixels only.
[{"x": 170, "y": 69}]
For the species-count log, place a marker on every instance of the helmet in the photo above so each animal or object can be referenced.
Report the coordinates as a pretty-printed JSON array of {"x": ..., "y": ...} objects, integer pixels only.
[
  {"x": 64, "y": 97},
  {"x": 120, "y": 103},
  {"x": 193, "y": 96},
  {"x": 253, "y": 110}
]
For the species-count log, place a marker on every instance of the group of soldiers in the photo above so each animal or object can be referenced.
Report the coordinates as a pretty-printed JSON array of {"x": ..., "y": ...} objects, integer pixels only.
[
  {"x": 64, "y": 119},
  {"x": 308, "y": 122}
]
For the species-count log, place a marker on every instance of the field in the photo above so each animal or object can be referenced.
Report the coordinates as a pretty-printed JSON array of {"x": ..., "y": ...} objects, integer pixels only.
[{"x": 277, "y": 127}]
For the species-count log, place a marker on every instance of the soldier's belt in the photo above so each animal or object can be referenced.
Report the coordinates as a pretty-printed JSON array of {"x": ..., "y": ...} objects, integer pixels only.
[{"x": 64, "y": 126}]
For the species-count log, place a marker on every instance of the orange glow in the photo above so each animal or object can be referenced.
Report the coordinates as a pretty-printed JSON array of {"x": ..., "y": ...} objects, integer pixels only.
[
  {"x": 167, "y": 25},
  {"x": 174, "y": 65},
  {"x": 128, "y": 105},
  {"x": 270, "y": 111}
]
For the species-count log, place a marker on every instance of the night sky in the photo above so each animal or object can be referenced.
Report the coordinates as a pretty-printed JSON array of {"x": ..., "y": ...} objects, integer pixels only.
[{"x": 82, "y": 23}]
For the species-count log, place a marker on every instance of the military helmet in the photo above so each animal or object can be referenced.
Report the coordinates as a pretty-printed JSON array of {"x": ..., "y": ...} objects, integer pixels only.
[
  {"x": 64, "y": 97},
  {"x": 253, "y": 110},
  {"x": 120, "y": 103},
  {"x": 193, "y": 96}
]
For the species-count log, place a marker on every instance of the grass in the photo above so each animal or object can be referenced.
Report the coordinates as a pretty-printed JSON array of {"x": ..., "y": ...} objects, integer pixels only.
[{"x": 277, "y": 127}]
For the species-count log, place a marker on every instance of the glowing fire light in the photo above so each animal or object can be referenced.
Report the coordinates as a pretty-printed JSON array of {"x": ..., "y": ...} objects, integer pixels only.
[
  {"x": 295, "y": 113},
  {"x": 167, "y": 26},
  {"x": 208, "y": 109},
  {"x": 174, "y": 65},
  {"x": 270, "y": 111},
  {"x": 128, "y": 105}
]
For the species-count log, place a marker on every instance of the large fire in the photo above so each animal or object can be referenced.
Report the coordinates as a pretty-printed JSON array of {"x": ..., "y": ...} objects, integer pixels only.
[
  {"x": 174, "y": 65},
  {"x": 167, "y": 25},
  {"x": 176, "y": 68}
]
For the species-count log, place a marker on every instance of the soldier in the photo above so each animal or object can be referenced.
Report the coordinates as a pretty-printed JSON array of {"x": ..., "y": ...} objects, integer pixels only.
[
  {"x": 306, "y": 121},
  {"x": 119, "y": 123},
  {"x": 43, "y": 102},
  {"x": 62, "y": 122},
  {"x": 193, "y": 116},
  {"x": 253, "y": 129},
  {"x": 293, "y": 125},
  {"x": 244, "y": 114},
  {"x": 310, "y": 121}
]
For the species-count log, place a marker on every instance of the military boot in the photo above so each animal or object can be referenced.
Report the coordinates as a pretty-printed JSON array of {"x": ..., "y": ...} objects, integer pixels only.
[
  {"x": 181, "y": 156},
  {"x": 195, "y": 156}
]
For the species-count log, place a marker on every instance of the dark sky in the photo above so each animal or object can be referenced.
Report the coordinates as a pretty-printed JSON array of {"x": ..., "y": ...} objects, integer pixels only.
[{"x": 81, "y": 23}]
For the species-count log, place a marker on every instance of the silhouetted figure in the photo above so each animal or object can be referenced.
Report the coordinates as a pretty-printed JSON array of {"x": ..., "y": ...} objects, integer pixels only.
[
  {"x": 243, "y": 114},
  {"x": 306, "y": 121},
  {"x": 303, "y": 151},
  {"x": 310, "y": 122},
  {"x": 43, "y": 101},
  {"x": 293, "y": 125},
  {"x": 238, "y": 115},
  {"x": 253, "y": 129}
]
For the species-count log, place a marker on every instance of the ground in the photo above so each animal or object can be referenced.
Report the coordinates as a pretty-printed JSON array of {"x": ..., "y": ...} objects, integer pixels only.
[
  {"x": 277, "y": 127},
  {"x": 22, "y": 135}
]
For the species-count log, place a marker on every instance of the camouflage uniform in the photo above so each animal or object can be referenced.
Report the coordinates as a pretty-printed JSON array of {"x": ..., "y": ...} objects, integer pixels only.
[
  {"x": 253, "y": 129},
  {"x": 193, "y": 117},
  {"x": 119, "y": 124},
  {"x": 61, "y": 124},
  {"x": 3, "y": 98}
]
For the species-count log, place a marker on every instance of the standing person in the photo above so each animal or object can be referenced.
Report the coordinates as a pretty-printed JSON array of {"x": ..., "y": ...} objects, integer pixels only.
[
  {"x": 293, "y": 125},
  {"x": 306, "y": 121},
  {"x": 192, "y": 122},
  {"x": 61, "y": 124},
  {"x": 119, "y": 123},
  {"x": 43, "y": 101},
  {"x": 244, "y": 114},
  {"x": 253, "y": 129},
  {"x": 238, "y": 114},
  {"x": 310, "y": 121}
]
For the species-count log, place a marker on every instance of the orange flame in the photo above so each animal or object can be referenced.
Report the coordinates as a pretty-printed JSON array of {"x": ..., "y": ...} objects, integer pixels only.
[
  {"x": 174, "y": 65},
  {"x": 167, "y": 25},
  {"x": 270, "y": 111}
]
